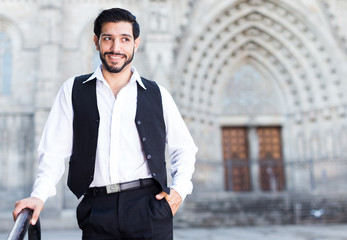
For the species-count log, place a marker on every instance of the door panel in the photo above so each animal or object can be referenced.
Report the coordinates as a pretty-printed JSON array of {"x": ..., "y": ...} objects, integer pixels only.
[
  {"x": 270, "y": 159},
  {"x": 236, "y": 159}
]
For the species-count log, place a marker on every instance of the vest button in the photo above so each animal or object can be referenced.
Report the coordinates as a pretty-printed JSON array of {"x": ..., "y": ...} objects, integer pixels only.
[
  {"x": 153, "y": 174},
  {"x": 144, "y": 139},
  {"x": 138, "y": 122},
  {"x": 149, "y": 156}
]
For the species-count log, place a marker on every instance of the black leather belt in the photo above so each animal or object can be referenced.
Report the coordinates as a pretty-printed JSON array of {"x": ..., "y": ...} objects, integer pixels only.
[{"x": 119, "y": 187}]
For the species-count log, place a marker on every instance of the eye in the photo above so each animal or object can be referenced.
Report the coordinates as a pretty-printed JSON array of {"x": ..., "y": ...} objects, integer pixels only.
[
  {"x": 125, "y": 39},
  {"x": 107, "y": 38}
]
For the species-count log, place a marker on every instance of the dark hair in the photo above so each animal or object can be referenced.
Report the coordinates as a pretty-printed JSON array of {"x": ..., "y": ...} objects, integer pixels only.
[{"x": 116, "y": 15}]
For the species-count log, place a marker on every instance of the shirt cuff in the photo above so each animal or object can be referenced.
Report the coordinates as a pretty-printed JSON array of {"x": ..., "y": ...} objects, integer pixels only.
[
  {"x": 42, "y": 191},
  {"x": 42, "y": 198},
  {"x": 182, "y": 191}
]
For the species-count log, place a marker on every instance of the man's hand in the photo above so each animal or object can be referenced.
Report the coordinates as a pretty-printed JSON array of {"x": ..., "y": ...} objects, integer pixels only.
[
  {"x": 33, "y": 203},
  {"x": 174, "y": 199}
]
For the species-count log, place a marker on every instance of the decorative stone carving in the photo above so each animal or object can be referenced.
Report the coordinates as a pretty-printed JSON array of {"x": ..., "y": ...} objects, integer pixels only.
[
  {"x": 335, "y": 11},
  {"x": 256, "y": 2},
  {"x": 158, "y": 20},
  {"x": 248, "y": 92}
]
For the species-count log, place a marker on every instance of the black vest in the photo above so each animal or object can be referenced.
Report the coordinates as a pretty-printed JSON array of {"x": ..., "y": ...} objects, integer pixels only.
[{"x": 150, "y": 125}]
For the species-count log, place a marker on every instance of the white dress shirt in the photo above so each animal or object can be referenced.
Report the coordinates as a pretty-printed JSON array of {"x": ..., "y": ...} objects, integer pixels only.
[{"x": 119, "y": 155}]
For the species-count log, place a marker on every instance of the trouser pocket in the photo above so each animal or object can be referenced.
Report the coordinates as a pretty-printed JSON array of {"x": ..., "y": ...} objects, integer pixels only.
[
  {"x": 161, "y": 219},
  {"x": 159, "y": 209},
  {"x": 83, "y": 212}
]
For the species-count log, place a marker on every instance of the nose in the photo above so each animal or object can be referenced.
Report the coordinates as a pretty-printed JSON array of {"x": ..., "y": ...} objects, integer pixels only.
[{"x": 115, "y": 47}]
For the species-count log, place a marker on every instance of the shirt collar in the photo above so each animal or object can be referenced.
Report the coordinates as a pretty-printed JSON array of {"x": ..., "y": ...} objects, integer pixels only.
[{"x": 135, "y": 77}]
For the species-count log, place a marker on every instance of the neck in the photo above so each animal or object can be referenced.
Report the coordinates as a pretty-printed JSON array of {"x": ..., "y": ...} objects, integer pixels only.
[{"x": 117, "y": 81}]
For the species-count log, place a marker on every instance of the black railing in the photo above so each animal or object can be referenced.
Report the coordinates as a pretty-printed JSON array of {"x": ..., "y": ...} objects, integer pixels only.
[{"x": 22, "y": 226}]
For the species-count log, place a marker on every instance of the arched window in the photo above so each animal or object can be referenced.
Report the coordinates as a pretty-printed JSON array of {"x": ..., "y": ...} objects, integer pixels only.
[{"x": 5, "y": 64}]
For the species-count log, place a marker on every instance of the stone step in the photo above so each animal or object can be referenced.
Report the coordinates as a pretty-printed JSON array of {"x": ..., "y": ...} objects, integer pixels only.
[{"x": 240, "y": 210}]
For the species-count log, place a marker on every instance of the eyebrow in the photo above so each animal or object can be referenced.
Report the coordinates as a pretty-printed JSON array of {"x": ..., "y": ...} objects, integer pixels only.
[{"x": 110, "y": 35}]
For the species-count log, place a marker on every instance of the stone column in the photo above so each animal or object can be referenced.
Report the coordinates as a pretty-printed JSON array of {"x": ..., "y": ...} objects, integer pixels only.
[
  {"x": 159, "y": 42},
  {"x": 253, "y": 155}
]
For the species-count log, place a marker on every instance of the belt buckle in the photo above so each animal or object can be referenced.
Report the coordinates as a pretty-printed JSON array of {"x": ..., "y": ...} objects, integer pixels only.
[{"x": 112, "y": 188}]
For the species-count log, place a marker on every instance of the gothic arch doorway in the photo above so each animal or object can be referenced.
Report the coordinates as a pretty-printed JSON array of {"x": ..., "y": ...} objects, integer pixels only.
[{"x": 252, "y": 142}]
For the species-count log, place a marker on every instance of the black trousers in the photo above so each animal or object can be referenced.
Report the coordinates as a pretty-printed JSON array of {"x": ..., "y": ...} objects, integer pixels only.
[{"x": 129, "y": 215}]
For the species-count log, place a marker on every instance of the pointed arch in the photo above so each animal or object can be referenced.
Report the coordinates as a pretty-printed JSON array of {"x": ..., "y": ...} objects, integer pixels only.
[
  {"x": 5, "y": 64},
  {"x": 11, "y": 42},
  {"x": 278, "y": 29}
]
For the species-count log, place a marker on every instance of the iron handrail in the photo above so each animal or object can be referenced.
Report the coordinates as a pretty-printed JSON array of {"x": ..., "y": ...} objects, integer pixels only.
[{"x": 22, "y": 226}]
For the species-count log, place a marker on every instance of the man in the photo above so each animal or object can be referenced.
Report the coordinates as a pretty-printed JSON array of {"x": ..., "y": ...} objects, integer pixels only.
[{"x": 114, "y": 125}]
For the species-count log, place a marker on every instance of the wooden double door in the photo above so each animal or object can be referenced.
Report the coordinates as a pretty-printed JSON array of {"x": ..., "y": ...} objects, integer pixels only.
[{"x": 267, "y": 166}]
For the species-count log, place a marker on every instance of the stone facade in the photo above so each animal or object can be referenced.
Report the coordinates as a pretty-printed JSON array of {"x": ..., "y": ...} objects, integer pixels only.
[{"x": 228, "y": 63}]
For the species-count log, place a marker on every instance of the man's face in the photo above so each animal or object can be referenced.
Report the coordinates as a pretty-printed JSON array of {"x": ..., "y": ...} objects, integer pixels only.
[{"x": 116, "y": 46}]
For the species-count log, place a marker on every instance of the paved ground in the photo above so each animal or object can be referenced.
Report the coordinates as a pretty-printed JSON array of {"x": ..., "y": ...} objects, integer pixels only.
[{"x": 315, "y": 232}]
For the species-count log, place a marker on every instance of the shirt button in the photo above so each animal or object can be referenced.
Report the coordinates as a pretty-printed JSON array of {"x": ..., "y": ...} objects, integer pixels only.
[
  {"x": 149, "y": 156},
  {"x": 144, "y": 139},
  {"x": 138, "y": 122}
]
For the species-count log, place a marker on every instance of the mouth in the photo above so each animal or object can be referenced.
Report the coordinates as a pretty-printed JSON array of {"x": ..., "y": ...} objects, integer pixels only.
[{"x": 115, "y": 57}]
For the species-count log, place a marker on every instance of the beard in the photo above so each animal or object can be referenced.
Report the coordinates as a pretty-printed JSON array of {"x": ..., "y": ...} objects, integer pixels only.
[{"x": 112, "y": 69}]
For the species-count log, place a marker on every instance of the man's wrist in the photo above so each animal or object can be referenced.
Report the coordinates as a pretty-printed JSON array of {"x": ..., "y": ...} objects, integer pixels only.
[
  {"x": 42, "y": 198},
  {"x": 180, "y": 192}
]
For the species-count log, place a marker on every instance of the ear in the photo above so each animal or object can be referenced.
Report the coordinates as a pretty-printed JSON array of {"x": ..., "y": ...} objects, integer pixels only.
[
  {"x": 96, "y": 42},
  {"x": 137, "y": 43}
]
